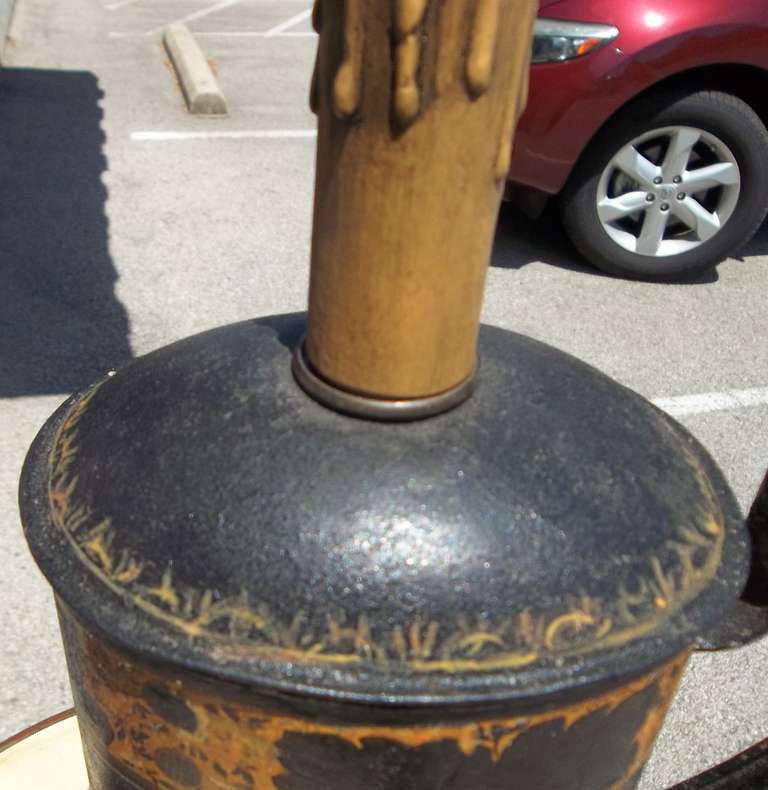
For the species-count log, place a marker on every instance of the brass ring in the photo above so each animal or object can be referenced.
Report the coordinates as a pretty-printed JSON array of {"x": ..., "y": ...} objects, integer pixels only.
[{"x": 373, "y": 408}]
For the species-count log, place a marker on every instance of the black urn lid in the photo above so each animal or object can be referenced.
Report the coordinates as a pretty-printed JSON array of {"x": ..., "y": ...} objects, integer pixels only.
[{"x": 555, "y": 529}]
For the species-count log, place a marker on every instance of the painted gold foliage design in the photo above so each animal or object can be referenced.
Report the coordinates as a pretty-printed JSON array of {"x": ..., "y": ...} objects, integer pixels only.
[
  {"x": 645, "y": 737},
  {"x": 644, "y": 597}
]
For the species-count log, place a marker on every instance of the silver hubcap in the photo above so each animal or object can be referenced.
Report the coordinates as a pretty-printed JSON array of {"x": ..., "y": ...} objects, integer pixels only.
[{"x": 668, "y": 191}]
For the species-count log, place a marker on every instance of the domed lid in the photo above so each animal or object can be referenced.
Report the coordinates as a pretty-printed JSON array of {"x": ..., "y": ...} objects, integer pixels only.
[{"x": 199, "y": 508}]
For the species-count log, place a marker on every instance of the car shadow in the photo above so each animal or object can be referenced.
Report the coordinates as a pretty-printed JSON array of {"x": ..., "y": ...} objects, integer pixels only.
[
  {"x": 757, "y": 247},
  {"x": 520, "y": 240},
  {"x": 61, "y": 324}
]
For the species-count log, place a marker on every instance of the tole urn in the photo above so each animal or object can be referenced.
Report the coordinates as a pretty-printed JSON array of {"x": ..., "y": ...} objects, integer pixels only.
[{"x": 379, "y": 546}]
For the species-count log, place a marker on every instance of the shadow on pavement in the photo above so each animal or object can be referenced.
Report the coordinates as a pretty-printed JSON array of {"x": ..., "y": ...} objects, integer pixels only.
[
  {"x": 61, "y": 325},
  {"x": 520, "y": 240},
  {"x": 758, "y": 245}
]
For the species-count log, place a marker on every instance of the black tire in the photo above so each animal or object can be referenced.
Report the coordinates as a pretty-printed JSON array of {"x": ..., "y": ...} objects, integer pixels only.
[{"x": 726, "y": 117}]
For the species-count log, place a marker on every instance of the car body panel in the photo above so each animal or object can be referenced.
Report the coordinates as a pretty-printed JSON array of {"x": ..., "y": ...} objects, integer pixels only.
[{"x": 570, "y": 101}]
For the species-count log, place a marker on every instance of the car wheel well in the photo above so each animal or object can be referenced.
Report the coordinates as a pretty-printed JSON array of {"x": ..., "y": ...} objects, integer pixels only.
[{"x": 748, "y": 83}]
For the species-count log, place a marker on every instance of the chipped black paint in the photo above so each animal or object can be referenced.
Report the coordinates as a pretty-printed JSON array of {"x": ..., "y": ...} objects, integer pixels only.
[
  {"x": 553, "y": 539},
  {"x": 407, "y": 560},
  {"x": 178, "y": 767},
  {"x": 592, "y": 753},
  {"x": 166, "y": 705}
]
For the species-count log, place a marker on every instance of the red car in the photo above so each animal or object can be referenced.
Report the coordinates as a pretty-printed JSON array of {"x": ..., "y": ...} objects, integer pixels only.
[{"x": 647, "y": 118}]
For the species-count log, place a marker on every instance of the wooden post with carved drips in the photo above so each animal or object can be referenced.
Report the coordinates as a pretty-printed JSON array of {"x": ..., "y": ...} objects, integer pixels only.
[{"x": 417, "y": 102}]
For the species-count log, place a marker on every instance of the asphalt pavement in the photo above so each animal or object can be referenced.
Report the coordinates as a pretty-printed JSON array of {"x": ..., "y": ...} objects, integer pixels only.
[{"x": 127, "y": 224}]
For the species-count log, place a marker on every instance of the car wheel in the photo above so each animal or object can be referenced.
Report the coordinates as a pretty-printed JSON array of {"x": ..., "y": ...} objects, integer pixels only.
[{"x": 671, "y": 187}]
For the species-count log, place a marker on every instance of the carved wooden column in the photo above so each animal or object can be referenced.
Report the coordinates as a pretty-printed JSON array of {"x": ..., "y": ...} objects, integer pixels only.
[{"x": 417, "y": 103}]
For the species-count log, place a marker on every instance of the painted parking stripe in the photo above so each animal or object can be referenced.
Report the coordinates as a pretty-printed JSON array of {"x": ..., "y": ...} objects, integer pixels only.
[
  {"x": 120, "y": 4},
  {"x": 255, "y": 34},
  {"x": 117, "y": 34},
  {"x": 224, "y": 34},
  {"x": 253, "y": 134},
  {"x": 687, "y": 405},
  {"x": 203, "y": 12},
  {"x": 289, "y": 23}
]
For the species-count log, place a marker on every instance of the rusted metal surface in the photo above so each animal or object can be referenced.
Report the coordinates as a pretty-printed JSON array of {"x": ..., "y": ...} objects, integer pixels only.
[
  {"x": 408, "y": 561},
  {"x": 376, "y": 595},
  {"x": 272, "y": 562},
  {"x": 162, "y": 727}
]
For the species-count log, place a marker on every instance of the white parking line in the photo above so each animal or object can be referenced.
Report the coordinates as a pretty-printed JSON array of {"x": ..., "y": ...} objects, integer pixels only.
[
  {"x": 257, "y": 134},
  {"x": 220, "y": 6},
  {"x": 120, "y": 4},
  {"x": 222, "y": 33},
  {"x": 687, "y": 405},
  {"x": 289, "y": 23},
  {"x": 255, "y": 34}
]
